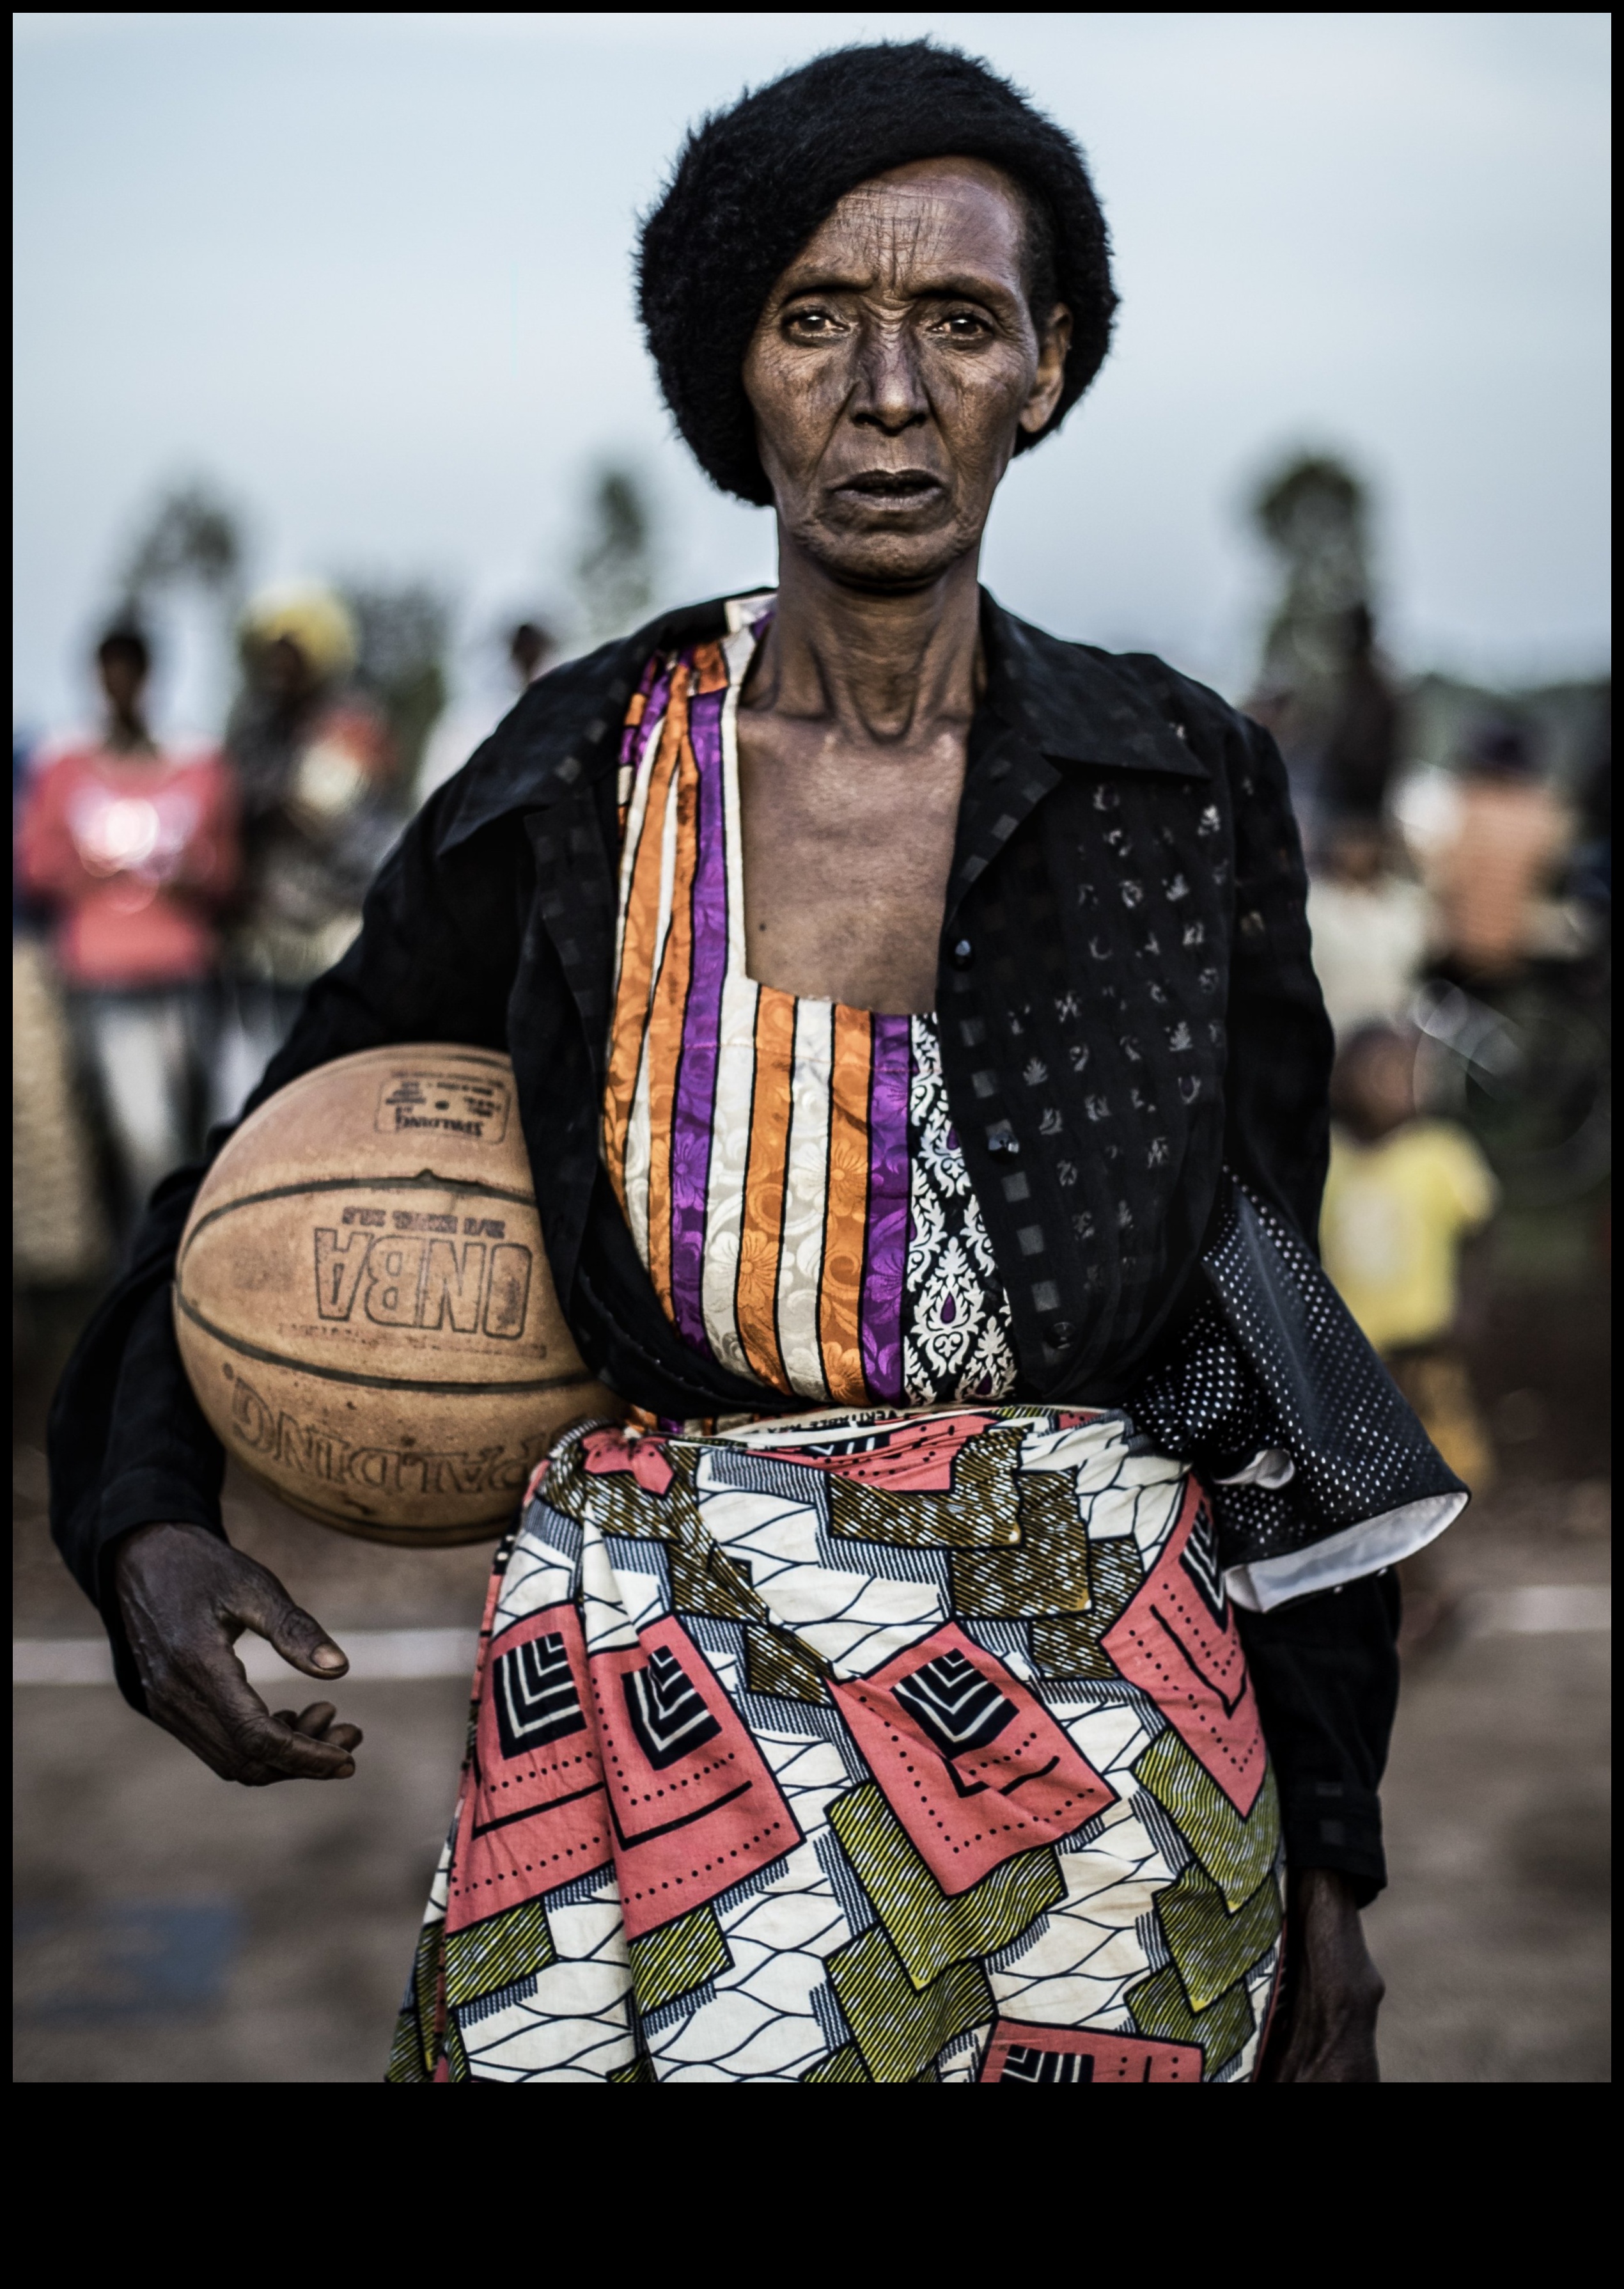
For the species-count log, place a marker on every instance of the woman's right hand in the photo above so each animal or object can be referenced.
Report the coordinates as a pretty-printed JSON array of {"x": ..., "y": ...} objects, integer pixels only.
[{"x": 186, "y": 1597}]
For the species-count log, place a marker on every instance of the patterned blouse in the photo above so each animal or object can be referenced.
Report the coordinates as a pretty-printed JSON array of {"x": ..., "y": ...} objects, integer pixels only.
[{"x": 789, "y": 1166}]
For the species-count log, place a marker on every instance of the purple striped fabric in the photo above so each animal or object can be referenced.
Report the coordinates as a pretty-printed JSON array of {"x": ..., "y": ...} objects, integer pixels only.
[
  {"x": 886, "y": 1254},
  {"x": 693, "y": 1110},
  {"x": 899, "y": 1347},
  {"x": 634, "y": 738}
]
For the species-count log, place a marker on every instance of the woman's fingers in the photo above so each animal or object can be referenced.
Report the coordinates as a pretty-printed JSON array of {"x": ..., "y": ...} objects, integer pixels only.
[
  {"x": 186, "y": 1596},
  {"x": 206, "y": 1699},
  {"x": 317, "y": 1720},
  {"x": 260, "y": 1603}
]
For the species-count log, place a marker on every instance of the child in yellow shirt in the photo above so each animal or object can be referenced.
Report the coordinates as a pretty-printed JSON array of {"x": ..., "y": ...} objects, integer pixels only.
[{"x": 1403, "y": 1194}]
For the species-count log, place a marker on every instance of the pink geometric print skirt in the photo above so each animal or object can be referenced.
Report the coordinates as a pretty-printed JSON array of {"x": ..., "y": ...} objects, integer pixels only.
[{"x": 861, "y": 1747}]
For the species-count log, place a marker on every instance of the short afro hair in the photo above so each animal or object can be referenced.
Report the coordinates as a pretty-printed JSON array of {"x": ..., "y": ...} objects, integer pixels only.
[
  {"x": 124, "y": 638},
  {"x": 753, "y": 184}
]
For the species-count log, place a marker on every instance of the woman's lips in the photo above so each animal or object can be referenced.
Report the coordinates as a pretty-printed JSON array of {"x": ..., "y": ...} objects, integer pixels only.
[{"x": 904, "y": 486}]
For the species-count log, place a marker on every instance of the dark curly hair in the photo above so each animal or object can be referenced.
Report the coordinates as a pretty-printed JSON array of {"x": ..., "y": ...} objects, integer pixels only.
[
  {"x": 753, "y": 184},
  {"x": 124, "y": 638}
]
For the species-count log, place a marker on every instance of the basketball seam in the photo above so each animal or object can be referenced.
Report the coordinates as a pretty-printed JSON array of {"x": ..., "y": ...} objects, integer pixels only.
[
  {"x": 257, "y": 1351},
  {"x": 426, "y": 1183},
  {"x": 404, "y": 1056}
]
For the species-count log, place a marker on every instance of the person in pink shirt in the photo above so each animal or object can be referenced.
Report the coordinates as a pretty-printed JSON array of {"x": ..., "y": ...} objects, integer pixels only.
[{"x": 134, "y": 851}]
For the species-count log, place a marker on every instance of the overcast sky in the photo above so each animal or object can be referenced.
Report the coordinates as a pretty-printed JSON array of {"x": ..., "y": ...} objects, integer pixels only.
[{"x": 369, "y": 275}]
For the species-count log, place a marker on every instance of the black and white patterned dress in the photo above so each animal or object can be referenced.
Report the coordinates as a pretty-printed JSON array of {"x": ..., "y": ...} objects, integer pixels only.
[{"x": 956, "y": 1325}]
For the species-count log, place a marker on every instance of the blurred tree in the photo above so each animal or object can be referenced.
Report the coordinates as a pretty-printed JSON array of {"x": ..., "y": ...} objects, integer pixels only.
[
  {"x": 192, "y": 537},
  {"x": 404, "y": 638},
  {"x": 1314, "y": 515},
  {"x": 1322, "y": 687},
  {"x": 614, "y": 569}
]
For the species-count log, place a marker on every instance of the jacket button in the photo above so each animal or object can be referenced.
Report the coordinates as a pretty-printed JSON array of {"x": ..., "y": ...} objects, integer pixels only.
[
  {"x": 1061, "y": 1335},
  {"x": 961, "y": 954}
]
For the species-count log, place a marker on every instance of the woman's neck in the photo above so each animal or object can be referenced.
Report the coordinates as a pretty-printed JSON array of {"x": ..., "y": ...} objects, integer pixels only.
[{"x": 876, "y": 668}]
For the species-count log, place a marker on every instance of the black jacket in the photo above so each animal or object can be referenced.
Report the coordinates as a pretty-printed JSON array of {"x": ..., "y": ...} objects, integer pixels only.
[{"x": 1128, "y": 1006}]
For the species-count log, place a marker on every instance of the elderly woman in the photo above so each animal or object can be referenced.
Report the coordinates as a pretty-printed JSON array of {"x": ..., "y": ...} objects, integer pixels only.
[{"x": 984, "y": 1611}]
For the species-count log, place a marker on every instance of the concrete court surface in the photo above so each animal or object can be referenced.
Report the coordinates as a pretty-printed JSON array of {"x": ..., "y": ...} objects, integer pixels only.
[
  {"x": 1494, "y": 1935},
  {"x": 174, "y": 1929},
  {"x": 171, "y": 1927}
]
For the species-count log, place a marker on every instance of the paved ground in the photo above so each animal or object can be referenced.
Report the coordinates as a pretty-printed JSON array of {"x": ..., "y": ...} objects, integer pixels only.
[
  {"x": 1493, "y": 1935},
  {"x": 178, "y": 1930},
  {"x": 173, "y": 1929}
]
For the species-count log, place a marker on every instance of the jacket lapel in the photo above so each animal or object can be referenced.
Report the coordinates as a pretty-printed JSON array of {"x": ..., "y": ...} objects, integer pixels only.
[
  {"x": 552, "y": 764},
  {"x": 1004, "y": 780},
  {"x": 575, "y": 898},
  {"x": 1048, "y": 703},
  {"x": 1075, "y": 705}
]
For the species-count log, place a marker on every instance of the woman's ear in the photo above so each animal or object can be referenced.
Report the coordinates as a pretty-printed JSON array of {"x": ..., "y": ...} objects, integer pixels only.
[{"x": 1053, "y": 344}]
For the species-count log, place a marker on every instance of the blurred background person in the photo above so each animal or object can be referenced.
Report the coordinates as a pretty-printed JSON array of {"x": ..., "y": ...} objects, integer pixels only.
[
  {"x": 316, "y": 770},
  {"x": 1404, "y": 1194},
  {"x": 1325, "y": 691},
  {"x": 133, "y": 849},
  {"x": 1495, "y": 852},
  {"x": 59, "y": 1229},
  {"x": 1371, "y": 923},
  {"x": 1591, "y": 877},
  {"x": 1361, "y": 746},
  {"x": 529, "y": 649}
]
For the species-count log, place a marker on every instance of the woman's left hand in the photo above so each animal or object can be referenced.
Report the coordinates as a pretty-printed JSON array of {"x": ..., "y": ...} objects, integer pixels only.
[{"x": 1327, "y": 2029}]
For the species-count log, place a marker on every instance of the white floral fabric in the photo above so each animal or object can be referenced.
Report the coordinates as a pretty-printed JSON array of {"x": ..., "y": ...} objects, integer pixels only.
[{"x": 956, "y": 1341}]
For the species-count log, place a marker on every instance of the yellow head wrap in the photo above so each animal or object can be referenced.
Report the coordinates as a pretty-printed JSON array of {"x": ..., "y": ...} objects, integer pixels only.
[{"x": 309, "y": 615}]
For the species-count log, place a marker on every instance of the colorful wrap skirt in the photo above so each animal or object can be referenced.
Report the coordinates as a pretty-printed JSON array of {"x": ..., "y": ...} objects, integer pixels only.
[{"x": 858, "y": 1747}]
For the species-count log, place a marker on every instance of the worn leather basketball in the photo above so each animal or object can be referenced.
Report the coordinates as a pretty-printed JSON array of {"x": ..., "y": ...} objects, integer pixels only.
[{"x": 363, "y": 1304}]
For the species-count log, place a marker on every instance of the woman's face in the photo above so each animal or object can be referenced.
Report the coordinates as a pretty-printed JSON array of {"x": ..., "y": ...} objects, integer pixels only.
[{"x": 894, "y": 367}]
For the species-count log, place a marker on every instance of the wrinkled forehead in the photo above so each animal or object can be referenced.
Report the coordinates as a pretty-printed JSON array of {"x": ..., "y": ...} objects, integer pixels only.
[{"x": 934, "y": 222}]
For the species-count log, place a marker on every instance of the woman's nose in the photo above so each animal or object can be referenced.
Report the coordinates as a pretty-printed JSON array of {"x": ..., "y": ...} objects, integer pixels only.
[{"x": 889, "y": 396}]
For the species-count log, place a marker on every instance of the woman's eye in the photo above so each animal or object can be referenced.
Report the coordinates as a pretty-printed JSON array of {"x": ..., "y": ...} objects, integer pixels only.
[
  {"x": 962, "y": 326},
  {"x": 812, "y": 322}
]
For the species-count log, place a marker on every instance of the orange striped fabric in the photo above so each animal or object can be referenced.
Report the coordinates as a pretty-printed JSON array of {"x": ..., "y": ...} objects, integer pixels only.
[
  {"x": 762, "y": 1229},
  {"x": 845, "y": 1216},
  {"x": 757, "y": 1141}
]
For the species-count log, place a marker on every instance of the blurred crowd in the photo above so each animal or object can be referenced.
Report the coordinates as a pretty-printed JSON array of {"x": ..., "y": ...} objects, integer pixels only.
[
  {"x": 1460, "y": 857},
  {"x": 1462, "y": 977},
  {"x": 172, "y": 901}
]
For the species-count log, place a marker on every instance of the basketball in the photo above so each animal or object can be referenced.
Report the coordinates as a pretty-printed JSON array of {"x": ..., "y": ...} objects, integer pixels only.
[{"x": 363, "y": 1304}]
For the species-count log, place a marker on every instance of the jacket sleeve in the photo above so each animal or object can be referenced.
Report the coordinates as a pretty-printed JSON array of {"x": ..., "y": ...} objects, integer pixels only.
[
  {"x": 1276, "y": 1081},
  {"x": 1325, "y": 1668},
  {"x": 1325, "y": 1674},
  {"x": 127, "y": 1442}
]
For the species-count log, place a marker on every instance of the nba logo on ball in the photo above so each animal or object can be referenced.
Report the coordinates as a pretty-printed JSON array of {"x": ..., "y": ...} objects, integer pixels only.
[{"x": 363, "y": 1304}]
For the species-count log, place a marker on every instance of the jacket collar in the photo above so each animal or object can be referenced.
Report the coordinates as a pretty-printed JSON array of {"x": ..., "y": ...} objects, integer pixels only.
[
  {"x": 564, "y": 733},
  {"x": 1075, "y": 705},
  {"x": 1048, "y": 703}
]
